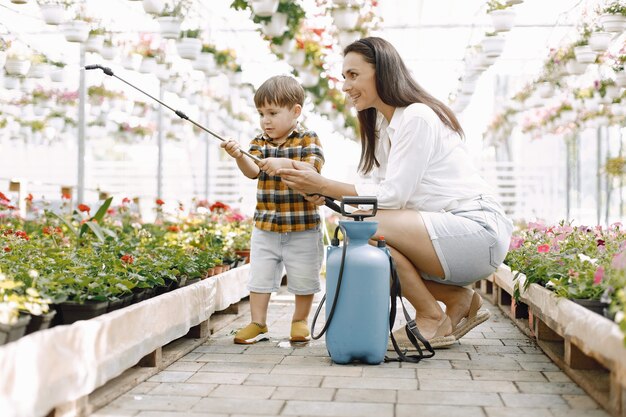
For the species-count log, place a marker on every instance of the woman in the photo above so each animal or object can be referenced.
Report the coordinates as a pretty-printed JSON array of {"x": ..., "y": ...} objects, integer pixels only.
[{"x": 444, "y": 229}]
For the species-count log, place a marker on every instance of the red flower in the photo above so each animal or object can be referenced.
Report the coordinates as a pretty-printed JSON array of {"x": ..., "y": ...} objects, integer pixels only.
[
  {"x": 600, "y": 242},
  {"x": 47, "y": 230},
  {"x": 126, "y": 200},
  {"x": 7, "y": 249},
  {"x": 218, "y": 205},
  {"x": 8, "y": 232},
  {"x": 159, "y": 202},
  {"x": 173, "y": 228},
  {"x": 66, "y": 196},
  {"x": 543, "y": 248},
  {"x": 84, "y": 208},
  {"x": 29, "y": 197},
  {"x": 3, "y": 197},
  {"x": 22, "y": 234},
  {"x": 111, "y": 211},
  {"x": 127, "y": 259}
]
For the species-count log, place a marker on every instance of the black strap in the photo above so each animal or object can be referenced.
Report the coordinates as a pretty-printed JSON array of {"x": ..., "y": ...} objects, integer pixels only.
[{"x": 412, "y": 331}]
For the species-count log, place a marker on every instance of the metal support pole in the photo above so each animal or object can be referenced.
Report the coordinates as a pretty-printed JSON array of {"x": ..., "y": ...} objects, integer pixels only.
[
  {"x": 598, "y": 175},
  {"x": 206, "y": 162},
  {"x": 568, "y": 176},
  {"x": 160, "y": 145},
  {"x": 80, "y": 187}
]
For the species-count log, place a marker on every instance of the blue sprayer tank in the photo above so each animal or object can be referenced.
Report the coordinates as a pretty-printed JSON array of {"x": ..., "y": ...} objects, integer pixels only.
[{"x": 359, "y": 330}]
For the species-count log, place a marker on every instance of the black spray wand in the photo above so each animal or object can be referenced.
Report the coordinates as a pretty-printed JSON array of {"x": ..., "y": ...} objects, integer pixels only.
[{"x": 329, "y": 201}]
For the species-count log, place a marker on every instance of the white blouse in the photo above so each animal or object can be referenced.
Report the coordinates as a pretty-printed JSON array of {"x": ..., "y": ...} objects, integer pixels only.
[{"x": 424, "y": 165}]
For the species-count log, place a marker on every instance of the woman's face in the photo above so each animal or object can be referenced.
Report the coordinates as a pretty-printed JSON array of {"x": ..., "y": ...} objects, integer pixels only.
[{"x": 359, "y": 81}]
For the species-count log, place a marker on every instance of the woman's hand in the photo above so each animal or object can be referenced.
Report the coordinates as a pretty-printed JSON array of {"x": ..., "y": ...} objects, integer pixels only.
[
  {"x": 318, "y": 200},
  {"x": 302, "y": 177}
]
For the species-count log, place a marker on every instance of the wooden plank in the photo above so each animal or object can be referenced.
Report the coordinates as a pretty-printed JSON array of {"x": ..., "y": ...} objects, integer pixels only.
[
  {"x": 544, "y": 332},
  {"x": 576, "y": 359},
  {"x": 200, "y": 331},
  {"x": 152, "y": 359}
]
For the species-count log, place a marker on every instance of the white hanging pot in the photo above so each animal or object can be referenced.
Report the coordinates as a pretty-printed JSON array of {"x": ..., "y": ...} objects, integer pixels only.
[
  {"x": 75, "y": 30},
  {"x": 276, "y": 26},
  {"x": 346, "y": 37},
  {"x": 14, "y": 66},
  {"x": 189, "y": 48},
  {"x": 286, "y": 47},
  {"x": 584, "y": 54},
  {"x": 234, "y": 78},
  {"x": 345, "y": 18},
  {"x": 502, "y": 19},
  {"x": 3, "y": 58},
  {"x": 170, "y": 26},
  {"x": 58, "y": 74},
  {"x": 492, "y": 45},
  {"x": 545, "y": 89},
  {"x": 94, "y": 43},
  {"x": 296, "y": 58},
  {"x": 53, "y": 14},
  {"x": 615, "y": 23},
  {"x": 148, "y": 65},
  {"x": 11, "y": 83},
  {"x": 309, "y": 79},
  {"x": 617, "y": 109},
  {"x": 132, "y": 62},
  {"x": 620, "y": 79},
  {"x": 153, "y": 6},
  {"x": 109, "y": 52},
  {"x": 574, "y": 67},
  {"x": 38, "y": 71},
  {"x": 205, "y": 63},
  {"x": 599, "y": 41},
  {"x": 612, "y": 92},
  {"x": 264, "y": 8}
]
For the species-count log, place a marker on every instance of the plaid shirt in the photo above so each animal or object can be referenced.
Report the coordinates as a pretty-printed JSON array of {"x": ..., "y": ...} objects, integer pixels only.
[{"x": 278, "y": 208}]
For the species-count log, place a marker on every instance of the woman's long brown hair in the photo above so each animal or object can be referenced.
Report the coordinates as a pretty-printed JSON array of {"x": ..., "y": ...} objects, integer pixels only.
[{"x": 396, "y": 87}]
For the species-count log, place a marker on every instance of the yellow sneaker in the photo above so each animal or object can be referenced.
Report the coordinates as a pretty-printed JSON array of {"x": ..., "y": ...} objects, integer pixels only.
[
  {"x": 299, "y": 331},
  {"x": 250, "y": 334}
]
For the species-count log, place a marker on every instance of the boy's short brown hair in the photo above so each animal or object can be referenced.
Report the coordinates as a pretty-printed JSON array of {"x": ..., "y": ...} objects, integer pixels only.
[{"x": 280, "y": 90}]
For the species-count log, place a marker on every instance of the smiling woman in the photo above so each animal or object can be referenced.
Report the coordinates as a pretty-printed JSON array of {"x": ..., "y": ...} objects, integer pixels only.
[{"x": 443, "y": 227}]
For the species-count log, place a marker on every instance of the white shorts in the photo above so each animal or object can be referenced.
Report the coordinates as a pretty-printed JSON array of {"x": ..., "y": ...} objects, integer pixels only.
[
  {"x": 300, "y": 253},
  {"x": 471, "y": 241}
]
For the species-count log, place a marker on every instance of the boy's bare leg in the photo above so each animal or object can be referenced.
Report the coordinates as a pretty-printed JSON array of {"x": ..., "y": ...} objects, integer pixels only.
[
  {"x": 258, "y": 307},
  {"x": 303, "y": 307}
]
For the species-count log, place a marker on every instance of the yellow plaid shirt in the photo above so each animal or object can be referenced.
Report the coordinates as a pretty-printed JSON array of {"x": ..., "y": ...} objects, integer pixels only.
[{"x": 278, "y": 208}]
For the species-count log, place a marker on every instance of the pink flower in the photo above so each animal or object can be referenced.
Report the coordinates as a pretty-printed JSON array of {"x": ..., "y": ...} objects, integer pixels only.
[
  {"x": 516, "y": 242},
  {"x": 597, "y": 277},
  {"x": 619, "y": 260},
  {"x": 543, "y": 248},
  {"x": 536, "y": 226}
]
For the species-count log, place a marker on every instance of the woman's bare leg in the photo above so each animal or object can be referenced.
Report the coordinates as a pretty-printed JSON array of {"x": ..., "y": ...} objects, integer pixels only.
[{"x": 405, "y": 231}]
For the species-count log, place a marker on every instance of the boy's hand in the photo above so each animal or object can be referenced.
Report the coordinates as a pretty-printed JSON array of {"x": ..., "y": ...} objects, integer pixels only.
[
  {"x": 271, "y": 165},
  {"x": 232, "y": 148}
]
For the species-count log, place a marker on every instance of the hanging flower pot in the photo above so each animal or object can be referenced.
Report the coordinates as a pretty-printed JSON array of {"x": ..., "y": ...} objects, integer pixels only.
[
  {"x": 545, "y": 89},
  {"x": 58, "y": 75},
  {"x": 277, "y": 26},
  {"x": 205, "y": 63},
  {"x": 11, "y": 83},
  {"x": 17, "y": 66},
  {"x": 264, "y": 8},
  {"x": 153, "y": 6},
  {"x": 94, "y": 43},
  {"x": 234, "y": 78},
  {"x": 170, "y": 26},
  {"x": 615, "y": 23},
  {"x": 162, "y": 73},
  {"x": 346, "y": 37},
  {"x": 286, "y": 47},
  {"x": 573, "y": 67},
  {"x": 148, "y": 65},
  {"x": 297, "y": 58},
  {"x": 620, "y": 79},
  {"x": 502, "y": 19},
  {"x": 309, "y": 79},
  {"x": 345, "y": 18},
  {"x": 75, "y": 30},
  {"x": 38, "y": 70},
  {"x": 132, "y": 61},
  {"x": 53, "y": 14},
  {"x": 109, "y": 52},
  {"x": 584, "y": 54},
  {"x": 189, "y": 48},
  {"x": 3, "y": 58},
  {"x": 599, "y": 41},
  {"x": 493, "y": 45},
  {"x": 612, "y": 92}
]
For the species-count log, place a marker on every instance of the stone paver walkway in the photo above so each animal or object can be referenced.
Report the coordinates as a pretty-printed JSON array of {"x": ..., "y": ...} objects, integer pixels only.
[{"x": 494, "y": 371}]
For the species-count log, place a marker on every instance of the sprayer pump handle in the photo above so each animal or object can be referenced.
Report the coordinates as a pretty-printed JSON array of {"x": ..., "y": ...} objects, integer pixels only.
[{"x": 359, "y": 201}]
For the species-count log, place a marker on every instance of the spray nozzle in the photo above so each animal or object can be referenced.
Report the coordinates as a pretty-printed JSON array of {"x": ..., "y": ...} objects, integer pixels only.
[{"x": 381, "y": 242}]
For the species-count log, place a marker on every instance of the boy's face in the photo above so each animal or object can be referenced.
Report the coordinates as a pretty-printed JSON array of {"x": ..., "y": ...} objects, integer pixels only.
[{"x": 278, "y": 122}]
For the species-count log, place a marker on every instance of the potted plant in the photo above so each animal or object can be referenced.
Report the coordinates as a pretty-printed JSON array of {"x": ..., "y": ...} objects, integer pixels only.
[
  {"x": 109, "y": 51},
  {"x": 205, "y": 61},
  {"x": 171, "y": 17},
  {"x": 4, "y": 46},
  {"x": 618, "y": 67},
  {"x": 492, "y": 44},
  {"x": 95, "y": 40},
  {"x": 17, "y": 61},
  {"x": 189, "y": 45},
  {"x": 613, "y": 17},
  {"x": 502, "y": 15},
  {"x": 58, "y": 73},
  {"x": 153, "y": 6},
  {"x": 77, "y": 29},
  {"x": 54, "y": 12},
  {"x": 599, "y": 39},
  {"x": 345, "y": 16}
]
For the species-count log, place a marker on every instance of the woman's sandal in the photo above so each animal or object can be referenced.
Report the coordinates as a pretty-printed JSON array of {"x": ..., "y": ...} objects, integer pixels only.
[
  {"x": 438, "y": 341},
  {"x": 474, "y": 317}
]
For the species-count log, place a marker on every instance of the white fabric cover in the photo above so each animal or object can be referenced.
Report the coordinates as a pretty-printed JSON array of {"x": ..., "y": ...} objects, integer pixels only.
[{"x": 54, "y": 366}]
